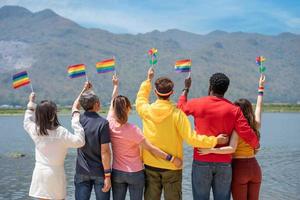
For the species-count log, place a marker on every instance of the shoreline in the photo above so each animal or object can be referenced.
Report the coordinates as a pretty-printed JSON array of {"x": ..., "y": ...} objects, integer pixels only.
[{"x": 267, "y": 108}]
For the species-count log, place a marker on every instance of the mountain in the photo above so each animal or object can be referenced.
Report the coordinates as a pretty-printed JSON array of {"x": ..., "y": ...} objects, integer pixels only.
[{"x": 45, "y": 43}]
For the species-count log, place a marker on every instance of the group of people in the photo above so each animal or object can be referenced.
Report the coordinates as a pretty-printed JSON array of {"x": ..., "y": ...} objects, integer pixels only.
[{"x": 148, "y": 162}]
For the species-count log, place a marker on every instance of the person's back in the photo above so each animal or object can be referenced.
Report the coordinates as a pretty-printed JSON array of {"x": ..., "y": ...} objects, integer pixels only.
[
  {"x": 214, "y": 115},
  {"x": 89, "y": 156},
  {"x": 166, "y": 127},
  {"x": 51, "y": 144},
  {"x": 93, "y": 159}
]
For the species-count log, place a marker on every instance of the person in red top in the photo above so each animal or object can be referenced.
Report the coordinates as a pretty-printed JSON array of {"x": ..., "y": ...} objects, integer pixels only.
[{"x": 214, "y": 114}]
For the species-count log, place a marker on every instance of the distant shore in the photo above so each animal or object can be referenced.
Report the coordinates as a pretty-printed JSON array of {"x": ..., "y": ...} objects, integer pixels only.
[{"x": 273, "y": 108}]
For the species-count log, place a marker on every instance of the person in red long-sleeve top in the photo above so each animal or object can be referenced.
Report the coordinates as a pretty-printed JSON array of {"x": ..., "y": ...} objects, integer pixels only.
[{"x": 213, "y": 115}]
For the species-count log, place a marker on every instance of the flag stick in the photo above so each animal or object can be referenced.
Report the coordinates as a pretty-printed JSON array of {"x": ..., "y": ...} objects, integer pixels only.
[
  {"x": 30, "y": 83},
  {"x": 152, "y": 61},
  {"x": 115, "y": 65},
  {"x": 31, "y": 87}
]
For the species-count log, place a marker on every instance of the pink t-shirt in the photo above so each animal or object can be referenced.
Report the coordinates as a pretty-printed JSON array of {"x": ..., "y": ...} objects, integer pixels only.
[{"x": 125, "y": 142}]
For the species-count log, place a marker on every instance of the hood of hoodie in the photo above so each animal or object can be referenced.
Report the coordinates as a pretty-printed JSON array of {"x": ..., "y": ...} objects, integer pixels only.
[{"x": 160, "y": 110}]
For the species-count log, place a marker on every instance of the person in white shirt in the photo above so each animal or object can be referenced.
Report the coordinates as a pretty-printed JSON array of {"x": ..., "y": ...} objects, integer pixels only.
[{"x": 51, "y": 145}]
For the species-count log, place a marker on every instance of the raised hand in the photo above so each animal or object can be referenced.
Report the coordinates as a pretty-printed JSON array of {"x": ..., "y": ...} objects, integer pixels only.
[
  {"x": 262, "y": 80},
  {"x": 87, "y": 86},
  {"x": 31, "y": 97},
  {"x": 222, "y": 139},
  {"x": 150, "y": 73},
  {"x": 188, "y": 82},
  {"x": 115, "y": 80}
]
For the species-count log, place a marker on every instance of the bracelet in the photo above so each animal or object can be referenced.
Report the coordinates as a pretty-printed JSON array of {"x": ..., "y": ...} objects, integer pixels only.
[
  {"x": 186, "y": 89},
  {"x": 108, "y": 175},
  {"x": 107, "y": 171},
  {"x": 260, "y": 93},
  {"x": 169, "y": 157},
  {"x": 173, "y": 158}
]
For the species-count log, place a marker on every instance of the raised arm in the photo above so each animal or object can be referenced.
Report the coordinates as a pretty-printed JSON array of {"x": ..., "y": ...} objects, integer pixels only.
[
  {"x": 142, "y": 99},
  {"x": 145, "y": 144},
  {"x": 76, "y": 105},
  {"x": 259, "y": 103},
  {"x": 115, "y": 92},
  {"x": 29, "y": 121},
  {"x": 77, "y": 139},
  {"x": 188, "y": 107},
  {"x": 223, "y": 150}
]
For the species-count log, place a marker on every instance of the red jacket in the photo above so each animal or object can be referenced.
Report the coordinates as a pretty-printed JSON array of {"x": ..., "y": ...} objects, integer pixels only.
[{"x": 213, "y": 116}]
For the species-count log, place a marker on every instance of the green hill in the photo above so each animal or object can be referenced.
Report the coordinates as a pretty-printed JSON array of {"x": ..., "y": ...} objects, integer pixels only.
[{"x": 45, "y": 44}]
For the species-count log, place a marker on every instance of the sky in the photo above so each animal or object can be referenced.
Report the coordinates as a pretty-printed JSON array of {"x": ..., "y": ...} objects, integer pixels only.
[{"x": 269, "y": 17}]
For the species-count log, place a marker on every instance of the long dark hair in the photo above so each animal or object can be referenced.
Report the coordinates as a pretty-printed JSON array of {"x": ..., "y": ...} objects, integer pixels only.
[
  {"x": 46, "y": 117},
  {"x": 248, "y": 112},
  {"x": 121, "y": 104}
]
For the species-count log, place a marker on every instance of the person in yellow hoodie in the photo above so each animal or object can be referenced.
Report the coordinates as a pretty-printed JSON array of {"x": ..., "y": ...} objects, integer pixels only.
[{"x": 166, "y": 127}]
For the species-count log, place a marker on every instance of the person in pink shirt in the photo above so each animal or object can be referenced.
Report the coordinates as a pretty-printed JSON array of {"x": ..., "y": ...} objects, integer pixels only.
[{"x": 127, "y": 139}]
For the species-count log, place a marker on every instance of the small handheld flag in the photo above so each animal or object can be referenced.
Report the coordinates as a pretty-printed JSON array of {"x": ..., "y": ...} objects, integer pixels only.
[
  {"x": 106, "y": 66},
  {"x": 183, "y": 66},
  {"x": 20, "y": 79},
  {"x": 259, "y": 61},
  {"x": 153, "y": 54},
  {"x": 76, "y": 71}
]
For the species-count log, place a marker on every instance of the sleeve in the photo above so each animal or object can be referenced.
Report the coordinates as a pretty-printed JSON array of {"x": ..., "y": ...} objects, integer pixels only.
[
  {"x": 191, "y": 137},
  {"x": 110, "y": 115},
  {"x": 105, "y": 134},
  {"x": 29, "y": 124},
  {"x": 142, "y": 99},
  {"x": 77, "y": 139},
  {"x": 186, "y": 106},
  {"x": 137, "y": 135},
  {"x": 244, "y": 130}
]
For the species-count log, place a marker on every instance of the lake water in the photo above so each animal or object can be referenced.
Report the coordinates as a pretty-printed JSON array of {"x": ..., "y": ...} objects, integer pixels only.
[{"x": 279, "y": 158}]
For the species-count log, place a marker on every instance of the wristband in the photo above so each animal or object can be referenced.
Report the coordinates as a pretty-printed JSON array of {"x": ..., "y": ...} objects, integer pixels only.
[
  {"x": 107, "y": 171},
  {"x": 260, "y": 93},
  {"x": 173, "y": 158},
  {"x": 186, "y": 89},
  {"x": 169, "y": 157}
]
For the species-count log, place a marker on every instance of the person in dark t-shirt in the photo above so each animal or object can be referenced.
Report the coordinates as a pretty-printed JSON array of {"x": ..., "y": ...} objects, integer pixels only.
[{"x": 93, "y": 167}]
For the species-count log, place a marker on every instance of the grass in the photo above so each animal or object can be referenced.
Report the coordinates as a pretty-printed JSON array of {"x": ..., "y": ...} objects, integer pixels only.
[{"x": 67, "y": 111}]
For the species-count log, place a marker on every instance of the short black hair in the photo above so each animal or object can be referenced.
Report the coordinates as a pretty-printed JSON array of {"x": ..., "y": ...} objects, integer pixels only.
[
  {"x": 88, "y": 99},
  {"x": 218, "y": 83}
]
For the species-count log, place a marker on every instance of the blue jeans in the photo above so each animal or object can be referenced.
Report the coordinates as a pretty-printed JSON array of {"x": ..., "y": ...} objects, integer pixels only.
[
  {"x": 206, "y": 175},
  {"x": 135, "y": 181},
  {"x": 84, "y": 185}
]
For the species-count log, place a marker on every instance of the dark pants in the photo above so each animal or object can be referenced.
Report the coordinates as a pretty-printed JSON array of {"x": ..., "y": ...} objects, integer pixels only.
[
  {"x": 207, "y": 175},
  {"x": 84, "y": 185},
  {"x": 134, "y": 181},
  {"x": 246, "y": 179},
  {"x": 167, "y": 180}
]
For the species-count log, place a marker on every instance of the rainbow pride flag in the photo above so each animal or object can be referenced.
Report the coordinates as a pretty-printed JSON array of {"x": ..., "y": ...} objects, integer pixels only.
[
  {"x": 76, "y": 71},
  {"x": 183, "y": 65},
  {"x": 20, "y": 79},
  {"x": 106, "y": 66}
]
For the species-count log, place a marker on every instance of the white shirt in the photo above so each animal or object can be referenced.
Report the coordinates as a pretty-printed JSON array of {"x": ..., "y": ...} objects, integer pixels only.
[{"x": 48, "y": 179}]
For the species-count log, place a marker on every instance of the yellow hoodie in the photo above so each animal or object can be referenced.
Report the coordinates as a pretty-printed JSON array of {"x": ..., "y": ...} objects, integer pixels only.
[{"x": 166, "y": 127}]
